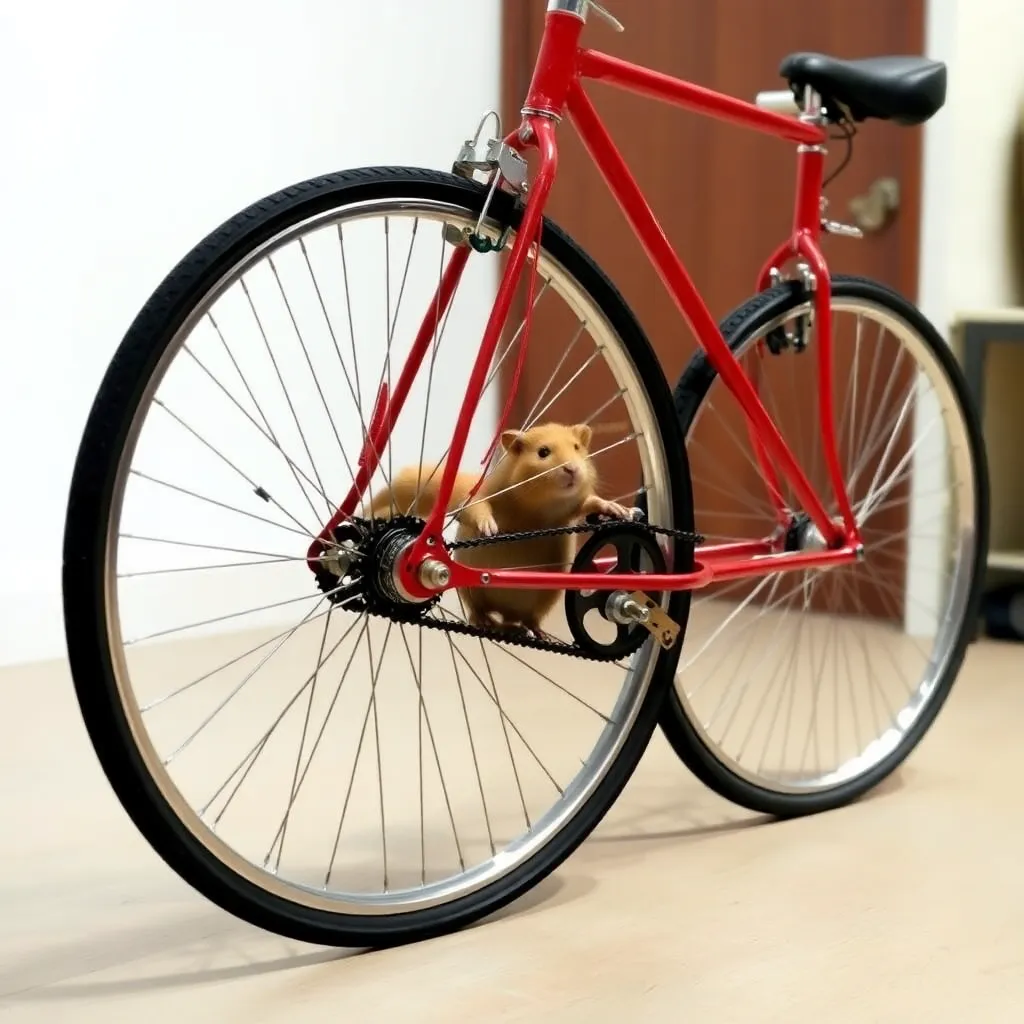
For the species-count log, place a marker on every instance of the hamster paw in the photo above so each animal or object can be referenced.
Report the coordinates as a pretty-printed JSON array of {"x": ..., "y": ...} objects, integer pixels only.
[
  {"x": 487, "y": 526},
  {"x": 609, "y": 508},
  {"x": 480, "y": 520}
]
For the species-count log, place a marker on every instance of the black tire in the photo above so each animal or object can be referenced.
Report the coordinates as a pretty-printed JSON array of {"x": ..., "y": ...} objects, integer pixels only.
[
  {"x": 85, "y": 540},
  {"x": 738, "y": 328}
]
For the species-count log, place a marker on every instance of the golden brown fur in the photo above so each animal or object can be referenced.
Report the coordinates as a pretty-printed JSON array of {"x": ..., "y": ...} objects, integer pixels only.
[{"x": 545, "y": 478}]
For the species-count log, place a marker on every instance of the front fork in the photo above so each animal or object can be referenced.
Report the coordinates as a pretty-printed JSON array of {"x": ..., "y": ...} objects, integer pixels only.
[{"x": 535, "y": 131}]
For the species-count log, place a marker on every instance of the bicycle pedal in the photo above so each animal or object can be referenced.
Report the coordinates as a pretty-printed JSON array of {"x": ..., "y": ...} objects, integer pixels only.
[{"x": 656, "y": 620}]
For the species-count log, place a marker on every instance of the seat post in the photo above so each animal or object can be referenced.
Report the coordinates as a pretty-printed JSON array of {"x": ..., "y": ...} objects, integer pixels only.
[
  {"x": 810, "y": 167},
  {"x": 813, "y": 113}
]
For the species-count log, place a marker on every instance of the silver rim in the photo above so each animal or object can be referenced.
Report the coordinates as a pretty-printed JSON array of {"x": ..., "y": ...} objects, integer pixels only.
[
  {"x": 802, "y": 682},
  {"x": 150, "y": 572}
]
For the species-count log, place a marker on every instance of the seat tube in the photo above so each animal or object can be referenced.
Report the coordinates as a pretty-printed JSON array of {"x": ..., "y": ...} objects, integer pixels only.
[
  {"x": 810, "y": 166},
  {"x": 807, "y": 218}
]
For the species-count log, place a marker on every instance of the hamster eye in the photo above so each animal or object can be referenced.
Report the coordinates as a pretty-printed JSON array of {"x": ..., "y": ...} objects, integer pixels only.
[
  {"x": 576, "y": 446},
  {"x": 543, "y": 452}
]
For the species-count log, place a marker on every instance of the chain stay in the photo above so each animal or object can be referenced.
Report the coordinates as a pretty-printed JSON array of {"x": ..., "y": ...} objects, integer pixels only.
[{"x": 525, "y": 639}]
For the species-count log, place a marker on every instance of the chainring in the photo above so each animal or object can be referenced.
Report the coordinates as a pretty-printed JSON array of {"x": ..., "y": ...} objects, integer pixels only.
[{"x": 633, "y": 545}]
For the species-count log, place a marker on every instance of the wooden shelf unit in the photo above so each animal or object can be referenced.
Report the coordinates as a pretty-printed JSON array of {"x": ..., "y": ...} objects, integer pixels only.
[{"x": 982, "y": 338}]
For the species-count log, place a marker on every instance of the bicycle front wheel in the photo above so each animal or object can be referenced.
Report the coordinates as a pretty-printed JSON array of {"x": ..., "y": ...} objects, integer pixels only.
[
  {"x": 333, "y": 775},
  {"x": 799, "y": 691}
]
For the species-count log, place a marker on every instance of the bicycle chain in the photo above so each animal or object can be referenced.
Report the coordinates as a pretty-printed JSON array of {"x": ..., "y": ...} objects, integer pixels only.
[
  {"x": 554, "y": 531},
  {"x": 524, "y": 639}
]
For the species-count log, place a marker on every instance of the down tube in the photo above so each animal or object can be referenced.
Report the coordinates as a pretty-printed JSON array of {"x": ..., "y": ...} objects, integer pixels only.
[{"x": 627, "y": 193}]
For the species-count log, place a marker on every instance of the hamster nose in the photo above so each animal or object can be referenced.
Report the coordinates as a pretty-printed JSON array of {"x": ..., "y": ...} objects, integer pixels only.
[{"x": 571, "y": 471}]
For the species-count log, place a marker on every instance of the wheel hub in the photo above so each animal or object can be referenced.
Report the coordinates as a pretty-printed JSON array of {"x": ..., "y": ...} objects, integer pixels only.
[
  {"x": 361, "y": 570},
  {"x": 804, "y": 535}
]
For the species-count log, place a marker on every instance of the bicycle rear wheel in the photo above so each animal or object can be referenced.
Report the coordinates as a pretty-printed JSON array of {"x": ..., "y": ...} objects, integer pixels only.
[
  {"x": 798, "y": 692},
  {"x": 328, "y": 774}
]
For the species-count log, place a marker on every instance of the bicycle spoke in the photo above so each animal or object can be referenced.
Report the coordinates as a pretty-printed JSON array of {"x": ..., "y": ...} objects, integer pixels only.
[
  {"x": 212, "y": 501},
  {"x": 469, "y": 733},
  {"x": 297, "y": 779},
  {"x": 532, "y": 416},
  {"x": 204, "y": 568},
  {"x": 287, "y": 396},
  {"x": 275, "y": 555},
  {"x": 268, "y": 433},
  {"x": 506, "y": 718},
  {"x": 239, "y": 657},
  {"x": 232, "y": 615},
  {"x": 536, "y": 671},
  {"x": 425, "y": 718},
  {"x": 257, "y": 488},
  {"x": 312, "y": 372},
  {"x": 283, "y": 827},
  {"x": 763, "y": 656},
  {"x": 430, "y": 382},
  {"x": 245, "y": 681},
  {"x": 787, "y": 607},
  {"x": 375, "y": 674}
]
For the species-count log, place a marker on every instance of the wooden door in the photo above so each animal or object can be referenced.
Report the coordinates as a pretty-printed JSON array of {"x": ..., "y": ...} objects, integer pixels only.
[{"x": 723, "y": 195}]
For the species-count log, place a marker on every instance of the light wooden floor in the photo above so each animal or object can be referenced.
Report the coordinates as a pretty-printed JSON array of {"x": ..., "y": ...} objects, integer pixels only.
[{"x": 906, "y": 907}]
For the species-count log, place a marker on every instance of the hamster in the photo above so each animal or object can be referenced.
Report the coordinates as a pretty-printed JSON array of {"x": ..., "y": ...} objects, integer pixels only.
[{"x": 544, "y": 479}]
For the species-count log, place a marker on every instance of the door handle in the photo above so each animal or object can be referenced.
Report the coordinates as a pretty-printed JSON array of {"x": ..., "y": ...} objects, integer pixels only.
[{"x": 874, "y": 208}]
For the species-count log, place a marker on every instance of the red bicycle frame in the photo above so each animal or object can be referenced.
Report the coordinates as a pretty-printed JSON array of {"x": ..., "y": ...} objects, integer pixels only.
[{"x": 556, "y": 90}]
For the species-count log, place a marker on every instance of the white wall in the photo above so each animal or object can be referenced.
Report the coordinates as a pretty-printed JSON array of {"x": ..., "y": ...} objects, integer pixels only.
[
  {"x": 967, "y": 238},
  {"x": 132, "y": 129},
  {"x": 967, "y": 242}
]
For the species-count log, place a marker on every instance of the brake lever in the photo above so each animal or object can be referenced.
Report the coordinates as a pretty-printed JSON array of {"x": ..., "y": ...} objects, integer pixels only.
[{"x": 608, "y": 16}]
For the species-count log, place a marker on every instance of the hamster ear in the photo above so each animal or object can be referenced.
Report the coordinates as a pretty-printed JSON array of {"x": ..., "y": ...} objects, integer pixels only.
[
  {"x": 512, "y": 441},
  {"x": 583, "y": 434}
]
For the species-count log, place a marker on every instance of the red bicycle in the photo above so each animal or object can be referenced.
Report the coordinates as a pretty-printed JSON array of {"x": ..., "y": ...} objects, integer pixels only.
[{"x": 295, "y": 760}]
